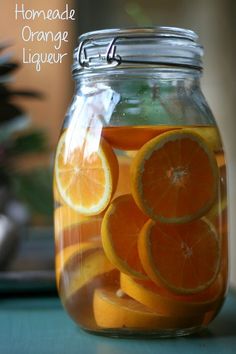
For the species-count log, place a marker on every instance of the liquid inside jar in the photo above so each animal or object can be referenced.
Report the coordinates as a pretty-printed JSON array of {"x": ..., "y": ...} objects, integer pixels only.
[{"x": 141, "y": 228}]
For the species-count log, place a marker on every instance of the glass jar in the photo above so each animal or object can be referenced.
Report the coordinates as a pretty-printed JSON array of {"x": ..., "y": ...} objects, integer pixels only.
[{"x": 140, "y": 188}]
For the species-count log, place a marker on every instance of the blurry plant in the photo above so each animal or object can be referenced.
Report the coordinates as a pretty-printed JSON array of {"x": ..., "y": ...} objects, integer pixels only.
[
  {"x": 137, "y": 13},
  {"x": 158, "y": 100},
  {"x": 17, "y": 138}
]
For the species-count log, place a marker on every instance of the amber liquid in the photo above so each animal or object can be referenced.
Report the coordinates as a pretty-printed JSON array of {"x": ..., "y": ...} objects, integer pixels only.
[{"x": 79, "y": 246}]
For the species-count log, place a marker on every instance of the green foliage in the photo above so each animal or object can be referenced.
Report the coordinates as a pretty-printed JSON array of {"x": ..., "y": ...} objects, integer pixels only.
[
  {"x": 17, "y": 139},
  {"x": 35, "y": 189},
  {"x": 138, "y": 15},
  {"x": 152, "y": 102},
  {"x": 29, "y": 143}
]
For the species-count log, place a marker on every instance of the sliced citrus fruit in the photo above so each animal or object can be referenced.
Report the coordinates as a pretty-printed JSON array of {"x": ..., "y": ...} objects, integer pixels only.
[
  {"x": 86, "y": 174},
  {"x": 62, "y": 257},
  {"x": 123, "y": 185},
  {"x": 114, "y": 311},
  {"x": 219, "y": 217},
  {"x": 210, "y": 134},
  {"x": 119, "y": 137},
  {"x": 121, "y": 225},
  {"x": 72, "y": 227},
  {"x": 133, "y": 137},
  {"x": 174, "y": 177},
  {"x": 88, "y": 231},
  {"x": 82, "y": 273},
  {"x": 159, "y": 299},
  {"x": 220, "y": 158},
  {"x": 80, "y": 304},
  {"x": 217, "y": 209},
  {"x": 81, "y": 268},
  {"x": 58, "y": 201},
  {"x": 183, "y": 257}
]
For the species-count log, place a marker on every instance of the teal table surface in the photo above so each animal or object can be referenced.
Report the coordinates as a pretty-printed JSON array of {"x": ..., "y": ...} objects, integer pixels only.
[{"x": 38, "y": 325}]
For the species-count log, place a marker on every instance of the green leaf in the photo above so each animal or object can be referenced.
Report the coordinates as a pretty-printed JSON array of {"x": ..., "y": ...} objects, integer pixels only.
[
  {"x": 147, "y": 103},
  {"x": 29, "y": 143},
  {"x": 35, "y": 189},
  {"x": 137, "y": 13}
]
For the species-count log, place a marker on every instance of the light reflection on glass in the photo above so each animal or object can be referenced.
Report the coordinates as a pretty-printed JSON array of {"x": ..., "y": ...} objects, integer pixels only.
[{"x": 87, "y": 120}]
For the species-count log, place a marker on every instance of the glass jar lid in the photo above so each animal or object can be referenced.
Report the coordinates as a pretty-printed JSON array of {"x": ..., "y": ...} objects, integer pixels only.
[{"x": 157, "y": 46}]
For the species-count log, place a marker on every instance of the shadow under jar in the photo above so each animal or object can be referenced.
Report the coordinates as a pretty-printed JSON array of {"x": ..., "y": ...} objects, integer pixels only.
[{"x": 140, "y": 188}]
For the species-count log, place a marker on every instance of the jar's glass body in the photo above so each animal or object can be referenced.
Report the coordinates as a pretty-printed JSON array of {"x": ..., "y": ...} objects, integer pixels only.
[{"x": 141, "y": 205}]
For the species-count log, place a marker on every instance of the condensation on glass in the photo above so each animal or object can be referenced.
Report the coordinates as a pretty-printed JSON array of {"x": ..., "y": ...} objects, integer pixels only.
[{"x": 140, "y": 188}]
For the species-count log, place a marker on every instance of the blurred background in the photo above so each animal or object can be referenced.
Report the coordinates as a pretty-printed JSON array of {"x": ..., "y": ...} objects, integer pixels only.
[{"x": 33, "y": 104}]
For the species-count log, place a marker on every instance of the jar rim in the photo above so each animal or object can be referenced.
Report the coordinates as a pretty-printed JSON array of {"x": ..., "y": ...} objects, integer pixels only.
[
  {"x": 165, "y": 31},
  {"x": 157, "y": 45}
]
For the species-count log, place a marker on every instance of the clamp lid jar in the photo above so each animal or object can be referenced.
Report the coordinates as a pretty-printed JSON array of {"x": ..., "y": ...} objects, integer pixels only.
[{"x": 140, "y": 188}]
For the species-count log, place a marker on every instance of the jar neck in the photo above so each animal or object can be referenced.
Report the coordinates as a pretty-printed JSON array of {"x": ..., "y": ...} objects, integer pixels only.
[
  {"x": 143, "y": 96},
  {"x": 173, "y": 77}
]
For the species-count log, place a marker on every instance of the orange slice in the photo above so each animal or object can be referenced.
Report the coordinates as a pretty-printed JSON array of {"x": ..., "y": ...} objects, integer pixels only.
[
  {"x": 114, "y": 311},
  {"x": 86, "y": 174},
  {"x": 80, "y": 304},
  {"x": 218, "y": 216},
  {"x": 121, "y": 225},
  {"x": 88, "y": 231},
  {"x": 82, "y": 233},
  {"x": 123, "y": 185},
  {"x": 220, "y": 158},
  {"x": 58, "y": 201},
  {"x": 133, "y": 137},
  {"x": 81, "y": 268},
  {"x": 67, "y": 253},
  {"x": 163, "y": 301},
  {"x": 217, "y": 209},
  {"x": 174, "y": 177},
  {"x": 210, "y": 134},
  {"x": 183, "y": 257},
  {"x": 71, "y": 227}
]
